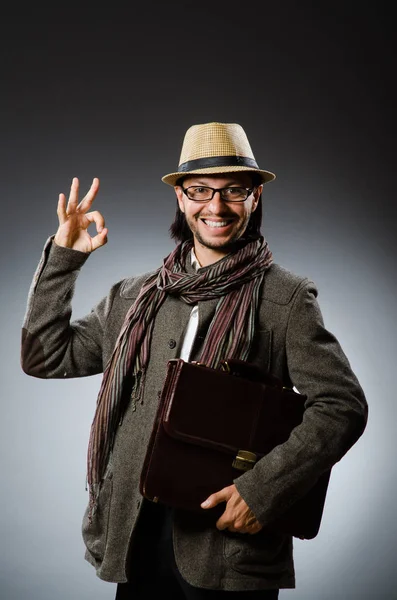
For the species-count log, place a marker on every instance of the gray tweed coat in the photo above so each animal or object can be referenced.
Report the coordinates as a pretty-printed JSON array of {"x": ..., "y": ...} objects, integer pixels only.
[{"x": 291, "y": 341}]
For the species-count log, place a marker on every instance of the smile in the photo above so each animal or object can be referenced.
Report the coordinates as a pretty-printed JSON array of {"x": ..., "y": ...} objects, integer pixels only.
[{"x": 216, "y": 224}]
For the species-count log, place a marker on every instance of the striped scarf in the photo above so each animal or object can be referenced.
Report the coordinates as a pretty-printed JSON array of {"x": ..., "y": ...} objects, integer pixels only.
[{"x": 235, "y": 280}]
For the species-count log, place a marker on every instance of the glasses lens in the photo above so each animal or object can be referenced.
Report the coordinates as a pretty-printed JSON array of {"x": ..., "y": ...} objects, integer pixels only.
[
  {"x": 199, "y": 193},
  {"x": 234, "y": 194}
]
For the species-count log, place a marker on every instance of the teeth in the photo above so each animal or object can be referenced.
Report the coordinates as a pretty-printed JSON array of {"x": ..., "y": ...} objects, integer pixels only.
[{"x": 216, "y": 223}]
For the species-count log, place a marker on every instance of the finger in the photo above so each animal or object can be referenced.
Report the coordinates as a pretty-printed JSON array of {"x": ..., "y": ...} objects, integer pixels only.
[
  {"x": 222, "y": 496},
  {"x": 255, "y": 529},
  {"x": 207, "y": 503},
  {"x": 250, "y": 525},
  {"x": 73, "y": 196},
  {"x": 61, "y": 209},
  {"x": 88, "y": 199},
  {"x": 227, "y": 520},
  {"x": 251, "y": 530},
  {"x": 212, "y": 500},
  {"x": 100, "y": 239},
  {"x": 236, "y": 527},
  {"x": 246, "y": 525},
  {"x": 95, "y": 217},
  {"x": 222, "y": 524}
]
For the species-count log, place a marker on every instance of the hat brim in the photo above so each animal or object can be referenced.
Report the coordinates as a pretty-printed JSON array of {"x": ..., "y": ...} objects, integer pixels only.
[{"x": 172, "y": 178}]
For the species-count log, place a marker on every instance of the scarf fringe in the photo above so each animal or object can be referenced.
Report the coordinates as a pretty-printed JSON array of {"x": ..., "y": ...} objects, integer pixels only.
[{"x": 138, "y": 387}]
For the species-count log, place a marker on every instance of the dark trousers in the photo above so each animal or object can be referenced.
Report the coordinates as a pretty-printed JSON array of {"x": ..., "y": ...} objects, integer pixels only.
[{"x": 153, "y": 572}]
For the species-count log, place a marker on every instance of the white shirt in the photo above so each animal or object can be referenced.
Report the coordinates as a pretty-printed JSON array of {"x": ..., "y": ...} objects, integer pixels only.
[{"x": 191, "y": 329}]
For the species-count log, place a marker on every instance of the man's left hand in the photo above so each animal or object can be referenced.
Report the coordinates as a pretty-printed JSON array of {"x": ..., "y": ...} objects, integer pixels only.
[{"x": 237, "y": 517}]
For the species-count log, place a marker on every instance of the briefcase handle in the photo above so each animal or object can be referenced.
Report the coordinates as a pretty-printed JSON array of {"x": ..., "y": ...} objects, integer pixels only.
[{"x": 241, "y": 368}]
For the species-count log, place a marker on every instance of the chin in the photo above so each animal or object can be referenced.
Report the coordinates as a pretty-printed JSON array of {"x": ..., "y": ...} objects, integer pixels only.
[{"x": 218, "y": 244}]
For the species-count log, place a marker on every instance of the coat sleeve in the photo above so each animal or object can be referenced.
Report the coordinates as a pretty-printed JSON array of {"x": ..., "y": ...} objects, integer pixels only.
[
  {"x": 52, "y": 345},
  {"x": 335, "y": 415}
]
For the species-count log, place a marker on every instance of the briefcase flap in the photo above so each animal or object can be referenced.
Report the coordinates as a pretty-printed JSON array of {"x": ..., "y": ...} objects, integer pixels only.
[
  {"x": 218, "y": 410},
  {"x": 241, "y": 368}
]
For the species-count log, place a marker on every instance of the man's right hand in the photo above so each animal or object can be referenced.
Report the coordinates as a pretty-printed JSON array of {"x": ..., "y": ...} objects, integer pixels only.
[{"x": 74, "y": 220}]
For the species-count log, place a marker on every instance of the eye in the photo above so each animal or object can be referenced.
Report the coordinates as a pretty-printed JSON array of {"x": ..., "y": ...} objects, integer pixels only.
[
  {"x": 235, "y": 191},
  {"x": 199, "y": 192}
]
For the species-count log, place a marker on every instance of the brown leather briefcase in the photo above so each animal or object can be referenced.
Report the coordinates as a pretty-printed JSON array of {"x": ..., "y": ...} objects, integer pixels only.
[{"x": 214, "y": 424}]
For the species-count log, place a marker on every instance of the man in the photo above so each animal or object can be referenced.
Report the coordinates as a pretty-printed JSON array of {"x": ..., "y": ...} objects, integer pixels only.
[{"x": 220, "y": 282}]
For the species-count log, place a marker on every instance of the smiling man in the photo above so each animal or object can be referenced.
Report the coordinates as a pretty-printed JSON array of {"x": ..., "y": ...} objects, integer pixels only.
[
  {"x": 217, "y": 211},
  {"x": 219, "y": 283}
]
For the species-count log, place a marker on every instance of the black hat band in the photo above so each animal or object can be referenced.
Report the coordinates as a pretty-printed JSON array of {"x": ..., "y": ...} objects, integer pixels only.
[{"x": 218, "y": 161}]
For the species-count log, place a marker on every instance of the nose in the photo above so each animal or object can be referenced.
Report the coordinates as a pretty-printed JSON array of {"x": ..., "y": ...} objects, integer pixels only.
[{"x": 216, "y": 204}]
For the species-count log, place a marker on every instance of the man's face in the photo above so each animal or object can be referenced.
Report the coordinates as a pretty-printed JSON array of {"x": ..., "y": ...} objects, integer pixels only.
[{"x": 217, "y": 224}]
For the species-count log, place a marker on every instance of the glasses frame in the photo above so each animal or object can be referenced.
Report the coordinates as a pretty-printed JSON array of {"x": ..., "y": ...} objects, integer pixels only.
[{"x": 220, "y": 190}]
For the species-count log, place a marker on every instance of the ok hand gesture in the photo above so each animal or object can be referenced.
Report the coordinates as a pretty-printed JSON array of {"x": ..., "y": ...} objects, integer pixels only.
[{"x": 74, "y": 220}]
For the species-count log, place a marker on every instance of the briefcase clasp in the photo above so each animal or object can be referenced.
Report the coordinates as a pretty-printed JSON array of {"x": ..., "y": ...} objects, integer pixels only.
[{"x": 244, "y": 460}]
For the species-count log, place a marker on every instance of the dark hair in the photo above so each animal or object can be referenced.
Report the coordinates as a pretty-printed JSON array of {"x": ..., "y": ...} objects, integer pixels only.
[{"x": 181, "y": 232}]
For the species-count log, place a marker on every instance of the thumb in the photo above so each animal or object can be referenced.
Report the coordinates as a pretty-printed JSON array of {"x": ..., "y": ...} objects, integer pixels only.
[{"x": 216, "y": 498}]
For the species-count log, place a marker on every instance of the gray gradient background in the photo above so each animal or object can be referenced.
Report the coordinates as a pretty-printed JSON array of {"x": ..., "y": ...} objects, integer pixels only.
[{"x": 111, "y": 96}]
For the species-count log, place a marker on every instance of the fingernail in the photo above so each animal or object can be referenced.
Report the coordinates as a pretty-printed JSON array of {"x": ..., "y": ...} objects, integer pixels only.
[{"x": 205, "y": 503}]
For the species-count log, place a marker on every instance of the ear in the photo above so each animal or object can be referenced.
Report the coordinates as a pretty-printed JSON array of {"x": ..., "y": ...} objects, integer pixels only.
[
  {"x": 179, "y": 195},
  {"x": 257, "y": 195}
]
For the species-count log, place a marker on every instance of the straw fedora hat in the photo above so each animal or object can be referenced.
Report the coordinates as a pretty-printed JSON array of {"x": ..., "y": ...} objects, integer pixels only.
[{"x": 212, "y": 148}]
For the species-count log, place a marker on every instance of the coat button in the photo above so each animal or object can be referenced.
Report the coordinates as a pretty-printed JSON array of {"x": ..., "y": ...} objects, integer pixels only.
[{"x": 171, "y": 343}]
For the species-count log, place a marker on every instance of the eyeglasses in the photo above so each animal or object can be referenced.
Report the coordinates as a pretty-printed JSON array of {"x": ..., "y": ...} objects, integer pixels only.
[{"x": 199, "y": 193}]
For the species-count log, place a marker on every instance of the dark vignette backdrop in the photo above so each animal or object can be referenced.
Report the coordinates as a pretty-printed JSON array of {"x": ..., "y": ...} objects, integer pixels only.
[{"x": 111, "y": 96}]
